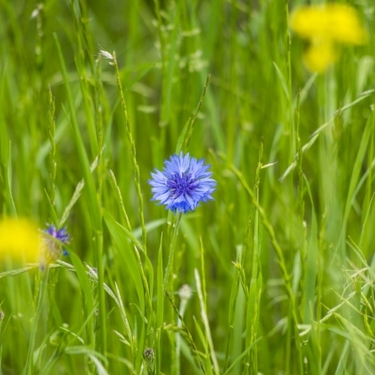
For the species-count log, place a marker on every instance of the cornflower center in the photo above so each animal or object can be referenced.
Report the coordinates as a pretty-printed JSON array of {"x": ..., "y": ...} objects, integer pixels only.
[{"x": 181, "y": 184}]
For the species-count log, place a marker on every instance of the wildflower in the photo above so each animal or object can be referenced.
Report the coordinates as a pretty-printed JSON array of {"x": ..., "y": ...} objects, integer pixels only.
[
  {"x": 327, "y": 26},
  {"x": 106, "y": 55},
  {"x": 185, "y": 293},
  {"x": 51, "y": 245},
  {"x": 183, "y": 183},
  {"x": 19, "y": 239}
]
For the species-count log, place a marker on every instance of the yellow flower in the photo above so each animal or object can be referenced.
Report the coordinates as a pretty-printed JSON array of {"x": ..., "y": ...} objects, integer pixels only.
[
  {"x": 326, "y": 26},
  {"x": 19, "y": 239},
  {"x": 320, "y": 55}
]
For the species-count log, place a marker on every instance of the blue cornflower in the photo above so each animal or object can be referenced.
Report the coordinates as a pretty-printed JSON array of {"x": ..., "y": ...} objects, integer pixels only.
[
  {"x": 183, "y": 183},
  {"x": 51, "y": 245}
]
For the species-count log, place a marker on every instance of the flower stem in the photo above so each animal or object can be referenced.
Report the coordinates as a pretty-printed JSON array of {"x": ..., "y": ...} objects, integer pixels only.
[
  {"x": 172, "y": 247},
  {"x": 43, "y": 283}
]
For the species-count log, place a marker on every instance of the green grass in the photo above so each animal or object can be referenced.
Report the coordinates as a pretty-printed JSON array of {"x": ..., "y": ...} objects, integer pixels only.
[{"x": 94, "y": 96}]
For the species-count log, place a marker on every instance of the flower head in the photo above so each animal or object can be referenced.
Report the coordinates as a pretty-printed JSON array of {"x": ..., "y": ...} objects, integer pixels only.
[
  {"x": 51, "y": 246},
  {"x": 183, "y": 183},
  {"x": 326, "y": 26}
]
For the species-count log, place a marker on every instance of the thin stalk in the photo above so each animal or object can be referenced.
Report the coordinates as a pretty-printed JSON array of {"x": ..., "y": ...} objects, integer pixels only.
[
  {"x": 184, "y": 294},
  {"x": 137, "y": 177},
  {"x": 280, "y": 256},
  {"x": 194, "y": 119},
  {"x": 172, "y": 247},
  {"x": 292, "y": 129},
  {"x": 93, "y": 202},
  {"x": 42, "y": 286},
  {"x": 52, "y": 153}
]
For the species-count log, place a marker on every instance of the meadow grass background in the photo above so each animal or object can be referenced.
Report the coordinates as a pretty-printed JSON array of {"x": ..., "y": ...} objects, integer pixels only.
[{"x": 281, "y": 263}]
